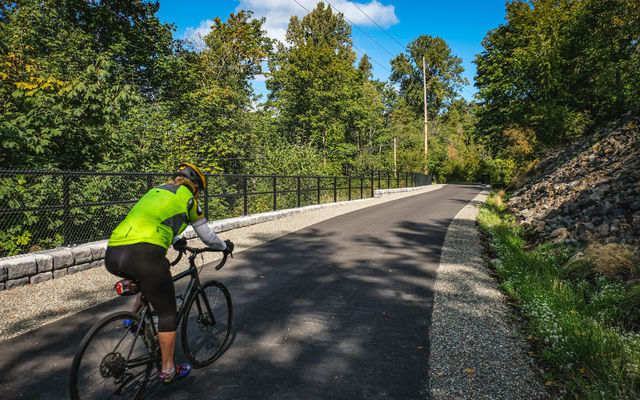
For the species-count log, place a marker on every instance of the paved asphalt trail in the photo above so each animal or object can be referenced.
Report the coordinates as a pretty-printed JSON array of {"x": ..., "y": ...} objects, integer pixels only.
[{"x": 338, "y": 310}]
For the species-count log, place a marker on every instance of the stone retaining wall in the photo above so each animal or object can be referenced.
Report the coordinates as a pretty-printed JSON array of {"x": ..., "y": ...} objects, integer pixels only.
[
  {"x": 42, "y": 266},
  {"x": 46, "y": 265}
]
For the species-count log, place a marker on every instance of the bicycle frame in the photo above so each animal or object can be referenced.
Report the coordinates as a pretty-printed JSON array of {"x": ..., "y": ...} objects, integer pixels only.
[{"x": 193, "y": 286}]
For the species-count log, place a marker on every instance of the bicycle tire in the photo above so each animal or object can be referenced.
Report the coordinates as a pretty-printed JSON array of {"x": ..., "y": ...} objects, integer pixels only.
[
  {"x": 102, "y": 356},
  {"x": 203, "y": 341}
]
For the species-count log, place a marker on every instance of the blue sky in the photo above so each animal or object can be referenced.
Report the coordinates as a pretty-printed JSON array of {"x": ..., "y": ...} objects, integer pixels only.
[{"x": 461, "y": 23}]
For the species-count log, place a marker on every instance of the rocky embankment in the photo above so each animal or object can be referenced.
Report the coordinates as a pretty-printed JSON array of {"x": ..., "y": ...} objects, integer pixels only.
[{"x": 588, "y": 192}]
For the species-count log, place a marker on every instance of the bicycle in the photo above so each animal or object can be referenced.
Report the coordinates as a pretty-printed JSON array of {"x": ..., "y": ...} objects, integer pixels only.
[{"x": 117, "y": 355}]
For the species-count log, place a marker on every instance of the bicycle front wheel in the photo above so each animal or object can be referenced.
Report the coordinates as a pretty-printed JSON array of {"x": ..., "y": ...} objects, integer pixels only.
[
  {"x": 207, "y": 324},
  {"x": 113, "y": 361}
]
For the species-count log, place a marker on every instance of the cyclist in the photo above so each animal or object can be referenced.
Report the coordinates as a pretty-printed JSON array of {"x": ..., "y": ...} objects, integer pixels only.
[{"x": 137, "y": 249}]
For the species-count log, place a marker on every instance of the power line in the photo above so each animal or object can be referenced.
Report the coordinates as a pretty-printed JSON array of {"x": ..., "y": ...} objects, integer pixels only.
[
  {"x": 302, "y": 6},
  {"x": 372, "y": 59},
  {"x": 383, "y": 30},
  {"x": 468, "y": 92},
  {"x": 352, "y": 45},
  {"x": 370, "y": 38}
]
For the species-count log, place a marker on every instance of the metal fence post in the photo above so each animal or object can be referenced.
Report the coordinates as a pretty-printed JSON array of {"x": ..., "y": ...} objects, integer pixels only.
[
  {"x": 318, "y": 178},
  {"x": 298, "y": 191},
  {"x": 244, "y": 194},
  {"x": 388, "y": 180},
  {"x": 361, "y": 188},
  {"x": 349, "y": 188},
  {"x": 66, "y": 210},
  {"x": 372, "y": 183},
  {"x": 379, "y": 187},
  {"x": 335, "y": 189},
  {"x": 275, "y": 196}
]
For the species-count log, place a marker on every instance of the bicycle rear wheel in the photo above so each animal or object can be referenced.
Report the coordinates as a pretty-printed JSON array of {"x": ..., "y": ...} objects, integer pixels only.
[
  {"x": 207, "y": 324},
  {"x": 114, "y": 359}
]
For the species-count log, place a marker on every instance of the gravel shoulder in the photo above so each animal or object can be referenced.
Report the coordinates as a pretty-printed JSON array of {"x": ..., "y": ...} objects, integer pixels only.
[{"x": 475, "y": 352}]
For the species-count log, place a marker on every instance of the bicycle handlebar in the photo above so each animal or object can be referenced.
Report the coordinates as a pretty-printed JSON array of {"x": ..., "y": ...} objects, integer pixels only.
[{"x": 195, "y": 251}]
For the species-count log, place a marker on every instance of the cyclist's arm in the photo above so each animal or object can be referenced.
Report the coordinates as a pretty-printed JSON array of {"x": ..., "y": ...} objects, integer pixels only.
[
  {"x": 207, "y": 236},
  {"x": 199, "y": 224}
]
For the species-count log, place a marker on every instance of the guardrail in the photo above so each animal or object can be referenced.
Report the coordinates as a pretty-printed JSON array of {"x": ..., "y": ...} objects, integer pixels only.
[{"x": 45, "y": 209}]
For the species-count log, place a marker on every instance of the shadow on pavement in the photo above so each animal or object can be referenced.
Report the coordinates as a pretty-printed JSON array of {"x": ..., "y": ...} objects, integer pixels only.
[{"x": 339, "y": 310}]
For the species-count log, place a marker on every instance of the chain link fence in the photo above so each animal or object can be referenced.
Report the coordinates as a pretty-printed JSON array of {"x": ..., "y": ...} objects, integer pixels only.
[{"x": 44, "y": 209}]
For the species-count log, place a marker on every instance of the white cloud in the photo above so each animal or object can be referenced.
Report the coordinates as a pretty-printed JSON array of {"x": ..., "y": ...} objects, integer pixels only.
[
  {"x": 278, "y": 13},
  {"x": 196, "y": 35}
]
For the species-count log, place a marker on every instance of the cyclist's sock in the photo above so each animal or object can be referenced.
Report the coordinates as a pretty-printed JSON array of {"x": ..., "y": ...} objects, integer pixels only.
[{"x": 169, "y": 373}]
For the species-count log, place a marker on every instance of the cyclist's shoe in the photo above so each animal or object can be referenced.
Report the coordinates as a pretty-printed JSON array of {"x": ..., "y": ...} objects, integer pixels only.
[
  {"x": 179, "y": 371},
  {"x": 131, "y": 325}
]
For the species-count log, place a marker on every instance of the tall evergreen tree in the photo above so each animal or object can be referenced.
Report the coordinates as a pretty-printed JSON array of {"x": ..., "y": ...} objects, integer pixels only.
[{"x": 314, "y": 82}]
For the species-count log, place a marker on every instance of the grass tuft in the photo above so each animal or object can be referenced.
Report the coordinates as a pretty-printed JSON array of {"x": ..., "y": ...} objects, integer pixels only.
[{"x": 614, "y": 261}]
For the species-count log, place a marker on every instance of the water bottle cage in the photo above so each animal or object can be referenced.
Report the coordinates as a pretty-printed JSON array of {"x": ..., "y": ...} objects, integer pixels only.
[{"x": 126, "y": 287}]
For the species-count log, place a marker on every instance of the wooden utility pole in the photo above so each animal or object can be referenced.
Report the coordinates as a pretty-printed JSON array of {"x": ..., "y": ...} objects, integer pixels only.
[
  {"x": 426, "y": 144},
  {"x": 395, "y": 165}
]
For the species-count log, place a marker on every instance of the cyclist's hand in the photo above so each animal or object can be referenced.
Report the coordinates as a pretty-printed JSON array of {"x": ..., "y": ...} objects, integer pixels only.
[
  {"x": 180, "y": 244},
  {"x": 229, "y": 249}
]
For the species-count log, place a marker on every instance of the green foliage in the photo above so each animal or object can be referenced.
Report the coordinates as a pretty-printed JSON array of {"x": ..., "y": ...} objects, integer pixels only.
[
  {"x": 630, "y": 307},
  {"x": 557, "y": 68},
  {"x": 501, "y": 170},
  {"x": 582, "y": 327},
  {"x": 315, "y": 85},
  {"x": 290, "y": 160},
  {"x": 211, "y": 119},
  {"x": 443, "y": 75},
  {"x": 70, "y": 70}
]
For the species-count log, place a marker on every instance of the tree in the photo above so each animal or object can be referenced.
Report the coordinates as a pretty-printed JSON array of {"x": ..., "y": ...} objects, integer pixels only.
[
  {"x": 443, "y": 74},
  {"x": 69, "y": 72},
  {"x": 211, "y": 116},
  {"x": 314, "y": 83},
  {"x": 557, "y": 68}
]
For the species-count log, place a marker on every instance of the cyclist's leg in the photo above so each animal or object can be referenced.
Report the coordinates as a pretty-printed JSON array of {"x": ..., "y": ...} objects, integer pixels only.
[
  {"x": 167, "y": 347},
  {"x": 157, "y": 285},
  {"x": 147, "y": 264}
]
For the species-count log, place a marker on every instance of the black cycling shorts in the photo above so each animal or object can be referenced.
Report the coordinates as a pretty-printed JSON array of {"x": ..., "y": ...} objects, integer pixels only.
[{"x": 146, "y": 263}]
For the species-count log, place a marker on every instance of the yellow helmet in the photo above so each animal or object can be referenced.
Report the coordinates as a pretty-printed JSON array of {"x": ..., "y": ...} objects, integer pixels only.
[{"x": 193, "y": 173}]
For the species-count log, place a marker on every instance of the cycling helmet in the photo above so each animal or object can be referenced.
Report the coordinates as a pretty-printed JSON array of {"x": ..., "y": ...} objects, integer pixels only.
[{"x": 193, "y": 173}]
